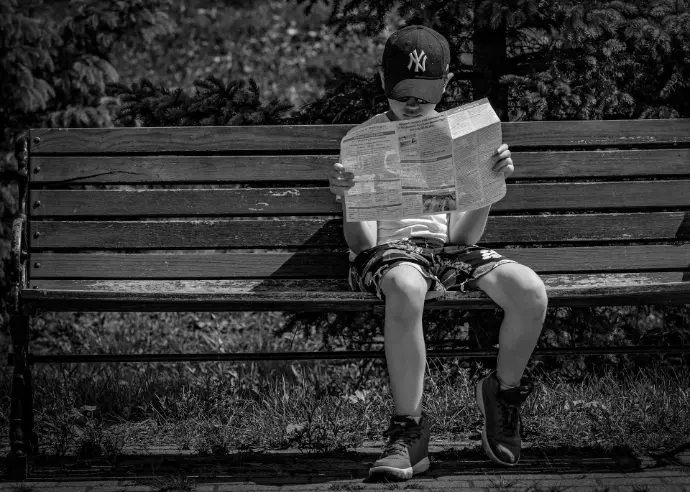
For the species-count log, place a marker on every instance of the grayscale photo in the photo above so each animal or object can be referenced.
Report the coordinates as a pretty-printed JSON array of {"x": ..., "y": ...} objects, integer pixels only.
[{"x": 324, "y": 245}]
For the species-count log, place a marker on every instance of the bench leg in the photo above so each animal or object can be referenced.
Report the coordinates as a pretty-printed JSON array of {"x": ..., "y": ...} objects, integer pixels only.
[{"x": 23, "y": 440}]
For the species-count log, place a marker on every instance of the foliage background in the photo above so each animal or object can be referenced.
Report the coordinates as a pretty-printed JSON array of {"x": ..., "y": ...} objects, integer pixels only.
[{"x": 96, "y": 63}]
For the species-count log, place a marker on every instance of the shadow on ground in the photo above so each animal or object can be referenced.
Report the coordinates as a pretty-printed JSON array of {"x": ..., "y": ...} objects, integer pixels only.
[{"x": 295, "y": 467}]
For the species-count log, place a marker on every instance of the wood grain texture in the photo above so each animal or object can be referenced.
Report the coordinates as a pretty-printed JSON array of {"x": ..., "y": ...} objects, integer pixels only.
[
  {"x": 268, "y": 286},
  {"x": 317, "y": 138},
  {"x": 256, "y": 233},
  {"x": 61, "y": 169},
  {"x": 588, "y": 294},
  {"x": 184, "y": 203},
  {"x": 73, "y": 170},
  {"x": 307, "y": 264},
  {"x": 315, "y": 201},
  {"x": 188, "y": 234}
]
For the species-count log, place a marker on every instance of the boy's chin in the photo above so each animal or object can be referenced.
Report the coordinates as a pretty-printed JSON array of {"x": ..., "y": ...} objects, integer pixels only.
[
  {"x": 405, "y": 116},
  {"x": 411, "y": 116}
]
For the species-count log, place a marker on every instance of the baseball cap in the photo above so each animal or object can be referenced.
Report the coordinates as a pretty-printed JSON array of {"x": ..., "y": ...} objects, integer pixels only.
[{"x": 414, "y": 61}]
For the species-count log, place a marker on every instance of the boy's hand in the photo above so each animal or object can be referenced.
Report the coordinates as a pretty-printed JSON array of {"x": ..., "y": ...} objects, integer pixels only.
[
  {"x": 339, "y": 180},
  {"x": 503, "y": 163}
]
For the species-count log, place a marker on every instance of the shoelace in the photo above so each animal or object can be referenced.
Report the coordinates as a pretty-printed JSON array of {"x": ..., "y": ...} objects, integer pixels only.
[
  {"x": 399, "y": 435},
  {"x": 510, "y": 417},
  {"x": 510, "y": 414}
]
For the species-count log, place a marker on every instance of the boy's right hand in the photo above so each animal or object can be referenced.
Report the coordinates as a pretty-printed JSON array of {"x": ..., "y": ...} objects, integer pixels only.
[{"x": 340, "y": 181}]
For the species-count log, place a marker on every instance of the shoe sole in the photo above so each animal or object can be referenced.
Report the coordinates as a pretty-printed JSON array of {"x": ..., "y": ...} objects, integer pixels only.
[
  {"x": 485, "y": 441},
  {"x": 392, "y": 473}
]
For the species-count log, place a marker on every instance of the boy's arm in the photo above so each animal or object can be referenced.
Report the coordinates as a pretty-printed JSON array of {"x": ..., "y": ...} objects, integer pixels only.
[
  {"x": 359, "y": 235},
  {"x": 467, "y": 227}
]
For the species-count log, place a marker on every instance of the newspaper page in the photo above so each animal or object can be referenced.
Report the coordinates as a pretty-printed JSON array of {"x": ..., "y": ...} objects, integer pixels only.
[{"x": 422, "y": 166}]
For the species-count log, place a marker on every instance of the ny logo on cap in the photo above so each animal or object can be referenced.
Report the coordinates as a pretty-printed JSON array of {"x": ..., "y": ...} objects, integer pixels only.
[{"x": 418, "y": 60}]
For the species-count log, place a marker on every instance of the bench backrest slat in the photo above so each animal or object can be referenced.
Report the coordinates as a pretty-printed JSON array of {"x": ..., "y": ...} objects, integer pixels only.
[
  {"x": 315, "y": 201},
  {"x": 541, "y": 134},
  {"x": 174, "y": 169},
  {"x": 333, "y": 265},
  {"x": 326, "y": 232}
]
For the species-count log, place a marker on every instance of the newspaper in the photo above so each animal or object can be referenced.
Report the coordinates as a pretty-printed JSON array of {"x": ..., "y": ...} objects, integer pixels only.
[{"x": 430, "y": 165}]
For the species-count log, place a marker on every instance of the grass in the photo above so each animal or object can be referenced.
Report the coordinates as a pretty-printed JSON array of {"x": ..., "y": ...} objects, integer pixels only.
[
  {"x": 211, "y": 408},
  {"x": 171, "y": 483}
]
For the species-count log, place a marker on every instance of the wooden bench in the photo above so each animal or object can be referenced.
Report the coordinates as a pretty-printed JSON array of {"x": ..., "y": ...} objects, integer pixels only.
[{"x": 124, "y": 219}]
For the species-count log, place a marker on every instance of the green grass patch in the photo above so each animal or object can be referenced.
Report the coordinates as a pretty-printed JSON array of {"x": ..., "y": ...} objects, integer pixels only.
[
  {"x": 647, "y": 412},
  {"x": 214, "y": 408}
]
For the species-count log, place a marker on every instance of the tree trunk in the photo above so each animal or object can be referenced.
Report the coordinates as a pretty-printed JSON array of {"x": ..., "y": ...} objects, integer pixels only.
[{"x": 490, "y": 62}]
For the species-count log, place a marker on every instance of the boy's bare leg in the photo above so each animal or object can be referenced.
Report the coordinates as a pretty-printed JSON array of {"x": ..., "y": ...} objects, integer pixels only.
[
  {"x": 522, "y": 296},
  {"x": 404, "y": 289},
  {"x": 499, "y": 395},
  {"x": 518, "y": 337}
]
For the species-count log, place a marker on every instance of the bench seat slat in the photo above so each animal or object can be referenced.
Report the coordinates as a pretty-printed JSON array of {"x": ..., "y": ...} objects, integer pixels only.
[
  {"x": 308, "y": 264},
  {"x": 552, "y": 280},
  {"x": 73, "y": 170},
  {"x": 256, "y": 233},
  {"x": 562, "y": 290},
  {"x": 626, "y": 133},
  {"x": 314, "y": 201}
]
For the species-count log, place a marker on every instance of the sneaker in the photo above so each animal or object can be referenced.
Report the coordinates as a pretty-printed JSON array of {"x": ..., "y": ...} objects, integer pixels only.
[
  {"x": 407, "y": 451},
  {"x": 502, "y": 421}
]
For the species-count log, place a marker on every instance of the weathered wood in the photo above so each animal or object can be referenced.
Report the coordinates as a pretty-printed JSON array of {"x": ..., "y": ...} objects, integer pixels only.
[
  {"x": 188, "y": 234},
  {"x": 542, "y": 134},
  {"x": 593, "y": 196},
  {"x": 61, "y": 169},
  {"x": 314, "y": 201},
  {"x": 99, "y": 265},
  {"x": 587, "y": 295},
  {"x": 184, "y": 203},
  {"x": 583, "y": 134},
  {"x": 552, "y": 281},
  {"x": 601, "y": 164},
  {"x": 257, "y": 233},
  {"x": 173, "y": 169},
  {"x": 308, "y": 264}
]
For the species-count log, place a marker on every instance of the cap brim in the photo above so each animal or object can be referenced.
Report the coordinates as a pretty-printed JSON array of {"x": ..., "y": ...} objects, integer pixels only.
[{"x": 429, "y": 90}]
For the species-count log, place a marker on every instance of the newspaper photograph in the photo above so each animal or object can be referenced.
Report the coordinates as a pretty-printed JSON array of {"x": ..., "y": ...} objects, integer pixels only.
[{"x": 430, "y": 165}]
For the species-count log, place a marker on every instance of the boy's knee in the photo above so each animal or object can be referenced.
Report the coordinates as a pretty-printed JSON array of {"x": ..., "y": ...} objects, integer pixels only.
[
  {"x": 406, "y": 284},
  {"x": 534, "y": 299}
]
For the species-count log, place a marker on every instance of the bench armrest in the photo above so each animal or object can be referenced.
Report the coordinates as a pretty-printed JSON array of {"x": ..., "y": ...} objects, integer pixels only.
[{"x": 18, "y": 258}]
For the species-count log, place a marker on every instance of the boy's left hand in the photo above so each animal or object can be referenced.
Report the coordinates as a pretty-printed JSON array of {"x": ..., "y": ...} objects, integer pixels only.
[{"x": 503, "y": 162}]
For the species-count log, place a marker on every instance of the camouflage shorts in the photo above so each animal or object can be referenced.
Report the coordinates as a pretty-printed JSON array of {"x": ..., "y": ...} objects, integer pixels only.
[{"x": 447, "y": 266}]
